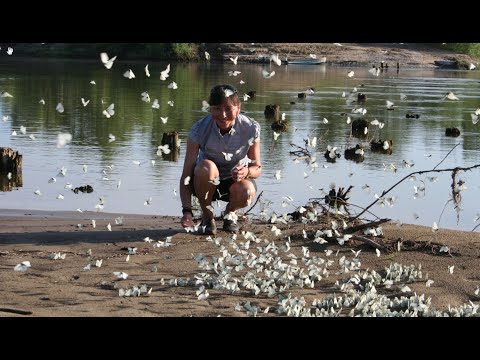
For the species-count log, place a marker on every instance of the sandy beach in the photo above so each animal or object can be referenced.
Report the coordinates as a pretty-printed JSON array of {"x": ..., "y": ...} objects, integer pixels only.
[{"x": 65, "y": 288}]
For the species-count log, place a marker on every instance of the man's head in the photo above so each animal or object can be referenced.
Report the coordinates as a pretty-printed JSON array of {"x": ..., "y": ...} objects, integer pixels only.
[{"x": 224, "y": 105}]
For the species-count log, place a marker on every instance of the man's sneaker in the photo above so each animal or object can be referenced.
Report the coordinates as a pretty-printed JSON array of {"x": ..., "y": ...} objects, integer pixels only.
[
  {"x": 230, "y": 226},
  {"x": 208, "y": 227}
]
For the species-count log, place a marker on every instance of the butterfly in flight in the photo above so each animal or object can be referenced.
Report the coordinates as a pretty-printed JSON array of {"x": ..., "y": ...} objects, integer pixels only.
[
  {"x": 107, "y": 61},
  {"x": 108, "y": 112}
]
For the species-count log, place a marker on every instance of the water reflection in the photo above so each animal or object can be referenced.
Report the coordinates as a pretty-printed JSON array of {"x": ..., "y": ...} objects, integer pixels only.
[{"x": 124, "y": 176}]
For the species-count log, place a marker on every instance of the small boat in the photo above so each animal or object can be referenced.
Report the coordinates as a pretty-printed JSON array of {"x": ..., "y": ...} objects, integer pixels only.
[{"x": 309, "y": 61}]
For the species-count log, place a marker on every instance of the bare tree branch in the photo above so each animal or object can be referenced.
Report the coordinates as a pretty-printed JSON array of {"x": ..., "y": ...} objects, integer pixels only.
[
  {"x": 385, "y": 192},
  {"x": 446, "y": 156}
]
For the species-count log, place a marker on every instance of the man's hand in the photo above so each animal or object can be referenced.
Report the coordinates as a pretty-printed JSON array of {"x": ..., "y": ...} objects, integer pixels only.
[
  {"x": 187, "y": 220},
  {"x": 239, "y": 173}
]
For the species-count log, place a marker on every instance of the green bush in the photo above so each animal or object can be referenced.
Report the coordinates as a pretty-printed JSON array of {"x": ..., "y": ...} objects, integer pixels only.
[
  {"x": 184, "y": 51},
  {"x": 472, "y": 49}
]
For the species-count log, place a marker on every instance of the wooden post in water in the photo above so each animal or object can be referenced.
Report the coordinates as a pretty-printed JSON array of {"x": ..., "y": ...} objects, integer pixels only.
[
  {"x": 10, "y": 169},
  {"x": 173, "y": 142},
  {"x": 272, "y": 111}
]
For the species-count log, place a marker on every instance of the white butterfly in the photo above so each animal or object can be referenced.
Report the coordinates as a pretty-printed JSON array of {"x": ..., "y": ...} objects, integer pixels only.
[
  {"x": 278, "y": 174},
  {"x": 109, "y": 227},
  {"x": 42, "y": 102},
  {"x": 173, "y": 85},
  {"x": 378, "y": 252},
  {"x": 147, "y": 72},
  {"x": 170, "y": 102},
  {"x": 9, "y": 50},
  {"x": 435, "y": 227},
  {"x": 275, "y": 59},
  {"x": 23, "y": 266},
  {"x": 351, "y": 74},
  {"x": 109, "y": 111},
  {"x": 234, "y": 60},
  {"x": 207, "y": 56},
  {"x": 267, "y": 75},
  {"x": 164, "y": 74},
  {"x": 5, "y": 94},
  {"x": 205, "y": 106},
  {"x": 129, "y": 74},
  {"x": 60, "y": 108},
  {"x": 120, "y": 274},
  {"x": 111, "y": 138},
  {"x": 450, "y": 269},
  {"x": 451, "y": 96},
  {"x": 93, "y": 82},
  {"x": 403, "y": 96},
  {"x": 474, "y": 118},
  {"x": 163, "y": 148},
  {"x": 63, "y": 139},
  {"x": 155, "y": 104},
  {"x": 234, "y": 73},
  {"x": 228, "y": 156},
  {"x": 106, "y": 60},
  {"x": 164, "y": 119},
  {"x": 145, "y": 96},
  {"x": 85, "y": 103},
  {"x": 374, "y": 71},
  {"x": 276, "y": 231},
  {"x": 215, "y": 181},
  {"x": 389, "y": 105}
]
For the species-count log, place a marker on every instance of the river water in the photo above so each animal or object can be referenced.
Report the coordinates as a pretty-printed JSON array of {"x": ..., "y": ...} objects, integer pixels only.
[{"x": 418, "y": 143}]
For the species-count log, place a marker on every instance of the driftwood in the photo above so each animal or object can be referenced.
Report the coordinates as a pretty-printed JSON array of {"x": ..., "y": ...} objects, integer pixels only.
[
  {"x": 10, "y": 169},
  {"x": 10, "y": 161},
  {"x": 354, "y": 228},
  {"x": 15, "y": 311},
  {"x": 368, "y": 241},
  {"x": 173, "y": 142},
  {"x": 358, "y": 127},
  {"x": 83, "y": 189},
  {"x": 272, "y": 111},
  {"x": 454, "y": 132}
]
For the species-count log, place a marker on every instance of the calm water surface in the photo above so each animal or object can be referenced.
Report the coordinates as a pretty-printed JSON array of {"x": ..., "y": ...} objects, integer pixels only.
[{"x": 138, "y": 130}]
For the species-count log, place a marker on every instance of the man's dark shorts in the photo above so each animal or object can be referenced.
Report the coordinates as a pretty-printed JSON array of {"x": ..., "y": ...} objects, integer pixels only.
[{"x": 223, "y": 189}]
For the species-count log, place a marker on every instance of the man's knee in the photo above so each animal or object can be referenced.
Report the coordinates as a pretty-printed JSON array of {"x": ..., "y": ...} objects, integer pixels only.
[{"x": 206, "y": 167}]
